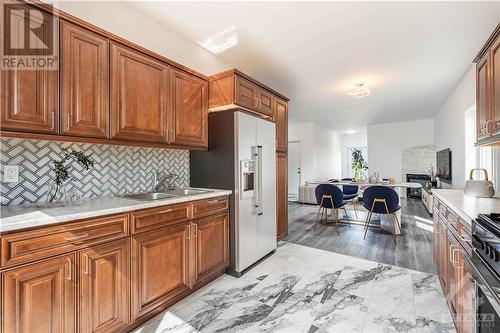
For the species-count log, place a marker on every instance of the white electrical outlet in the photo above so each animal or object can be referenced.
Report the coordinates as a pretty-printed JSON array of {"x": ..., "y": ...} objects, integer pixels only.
[{"x": 11, "y": 173}]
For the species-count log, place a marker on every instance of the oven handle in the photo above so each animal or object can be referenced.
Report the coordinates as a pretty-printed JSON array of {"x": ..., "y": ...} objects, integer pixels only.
[{"x": 480, "y": 282}]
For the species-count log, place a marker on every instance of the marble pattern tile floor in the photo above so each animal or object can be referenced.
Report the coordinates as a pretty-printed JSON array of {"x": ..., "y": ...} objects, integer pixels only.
[{"x": 302, "y": 289}]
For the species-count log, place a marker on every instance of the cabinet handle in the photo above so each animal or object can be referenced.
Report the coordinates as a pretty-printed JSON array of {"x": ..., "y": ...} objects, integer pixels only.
[
  {"x": 210, "y": 202},
  {"x": 451, "y": 253},
  {"x": 70, "y": 269},
  {"x": 87, "y": 264},
  {"x": 487, "y": 128},
  {"x": 455, "y": 264},
  {"x": 166, "y": 211},
  {"x": 72, "y": 239},
  {"x": 189, "y": 231},
  {"x": 255, "y": 102},
  {"x": 195, "y": 231}
]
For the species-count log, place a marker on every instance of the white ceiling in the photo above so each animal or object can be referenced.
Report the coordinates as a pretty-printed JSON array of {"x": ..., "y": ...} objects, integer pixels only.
[{"x": 410, "y": 54}]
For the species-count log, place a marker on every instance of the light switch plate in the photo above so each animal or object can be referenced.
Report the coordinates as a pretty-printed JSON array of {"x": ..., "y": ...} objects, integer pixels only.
[{"x": 11, "y": 173}]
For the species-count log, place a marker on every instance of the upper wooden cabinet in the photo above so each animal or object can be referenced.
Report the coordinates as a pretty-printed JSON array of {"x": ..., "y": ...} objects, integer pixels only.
[
  {"x": 189, "y": 111},
  {"x": 281, "y": 119},
  {"x": 234, "y": 89},
  {"x": 488, "y": 91},
  {"x": 84, "y": 82},
  {"x": 29, "y": 98},
  {"x": 40, "y": 297},
  {"x": 139, "y": 96}
]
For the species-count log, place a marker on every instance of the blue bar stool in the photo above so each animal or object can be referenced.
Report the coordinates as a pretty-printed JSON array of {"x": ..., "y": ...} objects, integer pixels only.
[
  {"x": 329, "y": 196},
  {"x": 351, "y": 194},
  {"x": 381, "y": 200}
]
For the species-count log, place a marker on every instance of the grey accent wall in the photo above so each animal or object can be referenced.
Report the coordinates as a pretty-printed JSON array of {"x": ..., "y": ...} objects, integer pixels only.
[{"x": 117, "y": 169}]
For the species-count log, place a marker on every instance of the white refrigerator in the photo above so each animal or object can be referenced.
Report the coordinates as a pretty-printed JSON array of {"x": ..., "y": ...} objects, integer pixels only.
[{"x": 242, "y": 157}]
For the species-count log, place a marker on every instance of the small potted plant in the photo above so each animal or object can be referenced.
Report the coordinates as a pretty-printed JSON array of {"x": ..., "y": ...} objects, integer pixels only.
[
  {"x": 358, "y": 165},
  {"x": 62, "y": 173}
]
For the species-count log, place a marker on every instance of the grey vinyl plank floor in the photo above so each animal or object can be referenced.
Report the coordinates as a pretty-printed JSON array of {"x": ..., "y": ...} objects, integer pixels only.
[{"x": 413, "y": 249}]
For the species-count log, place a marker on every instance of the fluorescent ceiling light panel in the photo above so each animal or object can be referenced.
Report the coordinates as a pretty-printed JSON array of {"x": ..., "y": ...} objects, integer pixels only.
[{"x": 221, "y": 41}]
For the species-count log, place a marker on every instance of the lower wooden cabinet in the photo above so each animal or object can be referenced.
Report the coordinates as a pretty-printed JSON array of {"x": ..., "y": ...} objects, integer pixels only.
[
  {"x": 40, "y": 297},
  {"x": 104, "y": 287},
  {"x": 210, "y": 246},
  {"x": 160, "y": 267}
]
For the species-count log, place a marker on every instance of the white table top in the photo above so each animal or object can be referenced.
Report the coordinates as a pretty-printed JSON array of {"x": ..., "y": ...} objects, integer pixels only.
[{"x": 404, "y": 184}]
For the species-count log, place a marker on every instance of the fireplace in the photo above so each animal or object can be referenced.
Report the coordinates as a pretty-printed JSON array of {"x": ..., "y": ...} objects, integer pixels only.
[{"x": 416, "y": 178}]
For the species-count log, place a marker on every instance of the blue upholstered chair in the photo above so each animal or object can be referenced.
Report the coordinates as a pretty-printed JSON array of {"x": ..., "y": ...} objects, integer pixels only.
[
  {"x": 381, "y": 200},
  {"x": 329, "y": 196},
  {"x": 351, "y": 193}
]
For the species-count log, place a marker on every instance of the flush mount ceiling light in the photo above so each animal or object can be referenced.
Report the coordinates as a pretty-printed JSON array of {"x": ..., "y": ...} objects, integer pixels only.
[
  {"x": 350, "y": 131},
  {"x": 360, "y": 91},
  {"x": 221, "y": 41}
]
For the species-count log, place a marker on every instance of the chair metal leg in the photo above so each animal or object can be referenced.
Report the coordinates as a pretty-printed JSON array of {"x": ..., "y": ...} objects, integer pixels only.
[
  {"x": 355, "y": 209},
  {"x": 337, "y": 220},
  {"x": 347, "y": 217},
  {"x": 368, "y": 220},
  {"x": 398, "y": 222}
]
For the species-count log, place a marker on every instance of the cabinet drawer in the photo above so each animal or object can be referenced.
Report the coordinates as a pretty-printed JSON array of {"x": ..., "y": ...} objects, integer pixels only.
[
  {"x": 209, "y": 206},
  {"x": 452, "y": 219},
  {"x": 41, "y": 243},
  {"x": 153, "y": 218}
]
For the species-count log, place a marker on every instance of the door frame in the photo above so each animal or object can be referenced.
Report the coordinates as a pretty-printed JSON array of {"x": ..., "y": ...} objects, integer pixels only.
[{"x": 300, "y": 164}]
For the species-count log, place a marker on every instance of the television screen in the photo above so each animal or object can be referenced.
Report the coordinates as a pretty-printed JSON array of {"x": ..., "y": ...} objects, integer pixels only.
[{"x": 443, "y": 168}]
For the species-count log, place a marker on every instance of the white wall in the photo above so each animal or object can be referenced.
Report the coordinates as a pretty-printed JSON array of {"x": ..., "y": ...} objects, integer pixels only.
[
  {"x": 449, "y": 126},
  {"x": 121, "y": 19},
  {"x": 356, "y": 140},
  {"x": 386, "y": 141},
  {"x": 320, "y": 150}
]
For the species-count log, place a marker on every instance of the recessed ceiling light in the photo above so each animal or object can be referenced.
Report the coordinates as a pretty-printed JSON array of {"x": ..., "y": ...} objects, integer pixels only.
[
  {"x": 360, "y": 91},
  {"x": 351, "y": 132},
  {"x": 221, "y": 41}
]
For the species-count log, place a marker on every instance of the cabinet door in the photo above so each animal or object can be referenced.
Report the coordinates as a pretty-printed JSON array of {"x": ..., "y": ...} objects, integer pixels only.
[
  {"x": 495, "y": 86},
  {"x": 442, "y": 254},
  {"x": 452, "y": 244},
  {"x": 245, "y": 93},
  {"x": 84, "y": 82},
  {"x": 265, "y": 100},
  {"x": 160, "y": 267},
  {"x": 482, "y": 97},
  {"x": 281, "y": 195},
  {"x": 189, "y": 111},
  {"x": 465, "y": 289},
  {"x": 210, "y": 248},
  {"x": 104, "y": 287},
  {"x": 281, "y": 119},
  {"x": 40, "y": 297},
  {"x": 29, "y": 98},
  {"x": 139, "y": 96}
]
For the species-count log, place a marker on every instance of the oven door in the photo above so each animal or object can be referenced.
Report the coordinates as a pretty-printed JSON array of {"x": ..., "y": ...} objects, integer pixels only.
[{"x": 487, "y": 300}]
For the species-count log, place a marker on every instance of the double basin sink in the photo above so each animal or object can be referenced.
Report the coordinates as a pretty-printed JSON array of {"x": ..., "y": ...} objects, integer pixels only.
[{"x": 157, "y": 195}]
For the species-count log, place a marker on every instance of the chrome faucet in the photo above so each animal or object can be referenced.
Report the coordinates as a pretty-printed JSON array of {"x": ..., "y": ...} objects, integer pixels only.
[{"x": 159, "y": 181}]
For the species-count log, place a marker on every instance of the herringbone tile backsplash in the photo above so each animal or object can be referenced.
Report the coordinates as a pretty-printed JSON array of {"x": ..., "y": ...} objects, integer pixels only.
[{"x": 117, "y": 169}]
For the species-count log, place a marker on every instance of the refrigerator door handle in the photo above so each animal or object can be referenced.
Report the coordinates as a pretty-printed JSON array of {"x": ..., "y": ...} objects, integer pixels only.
[{"x": 260, "y": 210}]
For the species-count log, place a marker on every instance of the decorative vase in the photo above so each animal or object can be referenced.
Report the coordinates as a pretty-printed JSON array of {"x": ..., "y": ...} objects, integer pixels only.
[{"x": 357, "y": 175}]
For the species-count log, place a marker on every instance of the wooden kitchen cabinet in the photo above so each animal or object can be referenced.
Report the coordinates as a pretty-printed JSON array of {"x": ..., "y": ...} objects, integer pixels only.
[
  {"x": 436, "y": 239},
  {"x": 488, "y": 91},
  {"x": 234, "y": 89},
  {"x": 30, "y": 98},
  {"x": 160, "y": 267},
  {"x": 40, "y": 297},
  {"x": 209, "y": 247},
  {"x": 281, "y": 119},
  {"x": 84, "y": 82},
  {"x": 281, "y": 195},
  {"x": 139, "y": 96},
  {"x": 189, "y": 111},
  {"x": 451, "y": 272},
  {"x": 104, "y": 287},
  {"x": 465, "y": 290}
]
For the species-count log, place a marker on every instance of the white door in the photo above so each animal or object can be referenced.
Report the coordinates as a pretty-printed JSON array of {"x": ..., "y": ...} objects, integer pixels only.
[
  {"x": 294, "y": 179},
  {"x": 266, "y": 220},
  {"x": 246, "y": 223}
]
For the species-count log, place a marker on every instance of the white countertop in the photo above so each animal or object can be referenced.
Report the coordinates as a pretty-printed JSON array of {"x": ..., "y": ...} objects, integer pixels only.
[
  {"x": 21, "y": 217},
  {"x": 468, "y": 208}
]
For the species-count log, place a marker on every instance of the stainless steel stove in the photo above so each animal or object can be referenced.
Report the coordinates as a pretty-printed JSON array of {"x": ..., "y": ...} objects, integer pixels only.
[{"x": 486, "y": 271}]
